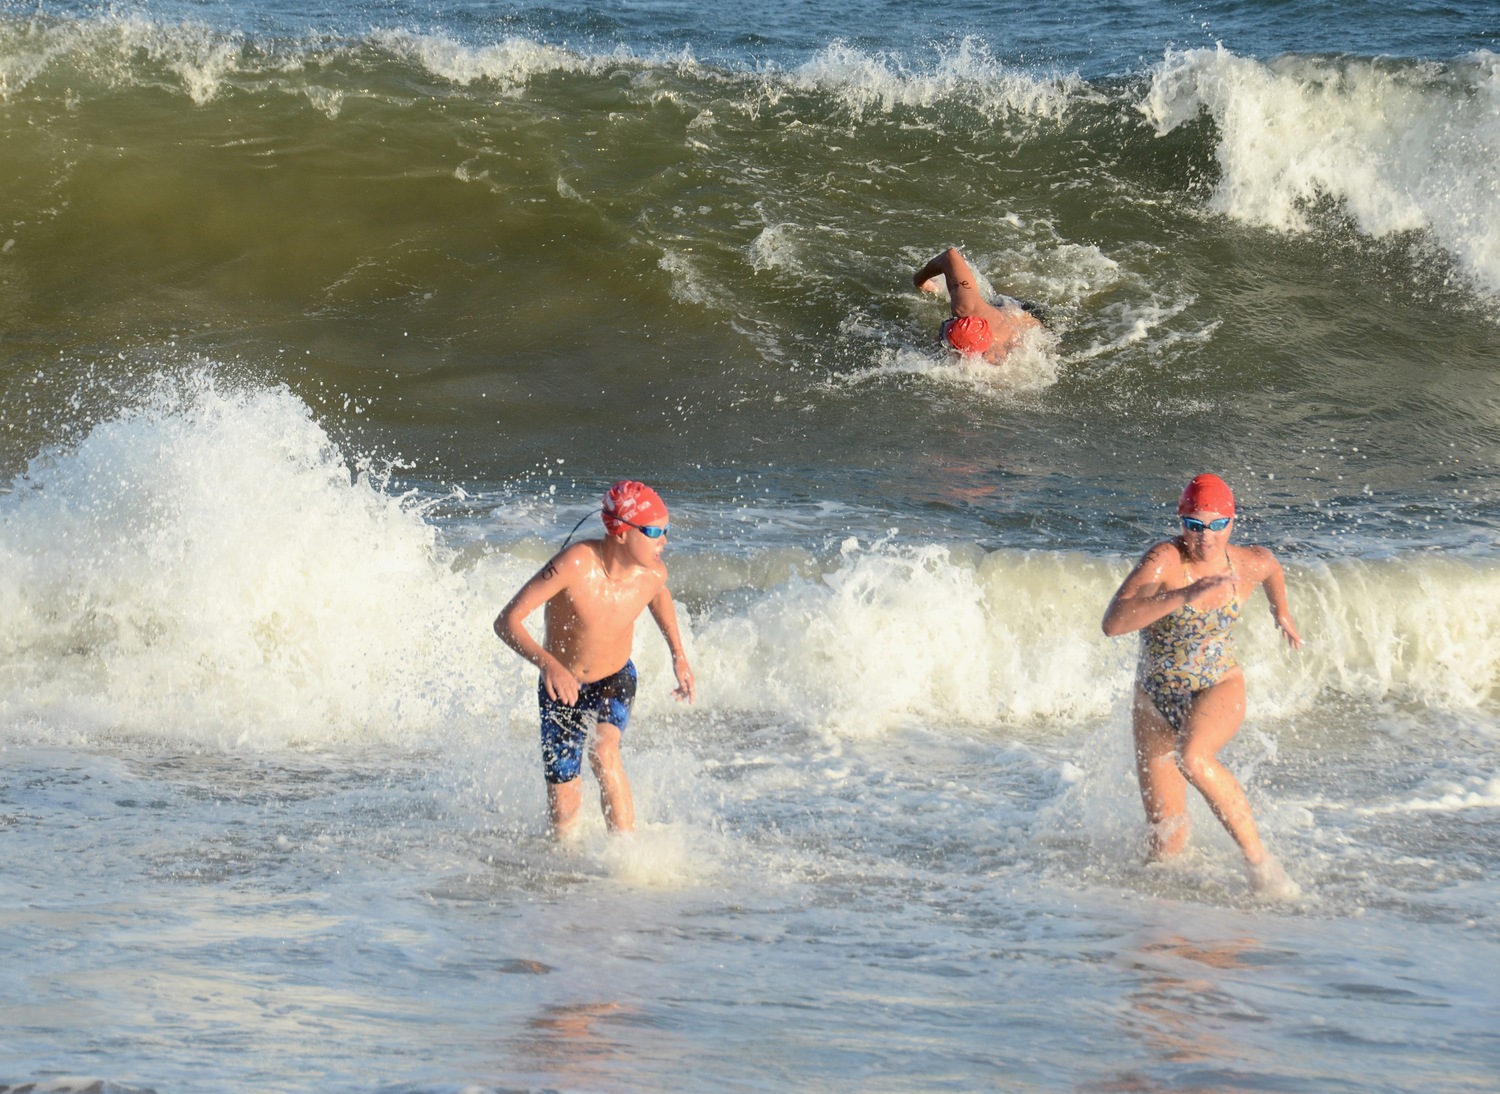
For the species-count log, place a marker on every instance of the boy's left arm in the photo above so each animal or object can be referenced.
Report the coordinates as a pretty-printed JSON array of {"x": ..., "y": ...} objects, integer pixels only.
[{"x": 664, "y": 611}]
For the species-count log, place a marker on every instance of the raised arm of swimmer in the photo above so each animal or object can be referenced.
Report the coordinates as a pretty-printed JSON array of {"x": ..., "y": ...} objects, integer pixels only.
[
  {"x": 963, "y": 288},
  {"x": 976, "y": 327}
]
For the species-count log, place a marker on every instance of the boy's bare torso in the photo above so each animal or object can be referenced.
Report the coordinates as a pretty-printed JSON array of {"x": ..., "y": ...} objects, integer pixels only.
[{"x": 591, "y": 622}]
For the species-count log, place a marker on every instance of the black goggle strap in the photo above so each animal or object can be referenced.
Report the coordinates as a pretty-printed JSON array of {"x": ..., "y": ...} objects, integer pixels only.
[{"x": 579, "y": 525}]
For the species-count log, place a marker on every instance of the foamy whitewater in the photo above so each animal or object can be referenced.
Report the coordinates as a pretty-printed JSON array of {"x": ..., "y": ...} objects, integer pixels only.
[{"x": 319, "y": 332}]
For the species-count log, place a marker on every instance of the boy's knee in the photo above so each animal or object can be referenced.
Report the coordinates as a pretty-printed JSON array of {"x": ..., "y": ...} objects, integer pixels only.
[{"x": 605, "y": 747}]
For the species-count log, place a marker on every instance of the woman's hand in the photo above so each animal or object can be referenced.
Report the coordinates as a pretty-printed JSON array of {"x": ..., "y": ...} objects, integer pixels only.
[
  {"x": 1289, "y": 629},
  {"x": 1208, "y": 593}
]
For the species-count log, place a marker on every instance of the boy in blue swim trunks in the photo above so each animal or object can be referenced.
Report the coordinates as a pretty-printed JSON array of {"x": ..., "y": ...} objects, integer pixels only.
[{"x": 592, "y": 593}]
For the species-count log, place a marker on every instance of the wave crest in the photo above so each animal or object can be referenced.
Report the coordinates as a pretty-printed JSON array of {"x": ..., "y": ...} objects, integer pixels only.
[{"x": 1401, "y": 147}]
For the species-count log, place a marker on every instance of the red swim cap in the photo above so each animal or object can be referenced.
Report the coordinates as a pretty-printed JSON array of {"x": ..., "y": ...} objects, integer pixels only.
[
  {"x": 1206, "y": 494},
  {"x": 632, "y": 501},
  {"x": 969, "y": 334}
]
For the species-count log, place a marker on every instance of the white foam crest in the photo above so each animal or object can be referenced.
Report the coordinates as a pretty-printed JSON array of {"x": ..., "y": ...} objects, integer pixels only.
[
  {"x": 206, "y": 566},
  {"x": 1147, "y": 323},
  {"x": 932, "y": 631},
  {"x": 112, "y": 45},
  {"x": 509, "y": 63},
  {"x": 325, "y": 100},
  {"x": 950, "y": 634},
  {"x": 776, "y": 247},
  {"x": 1402, "y": 148},
  {"x": 1422, "y": 629},
  {"x": 685, "y": 284},
  {"x": 1477, "y": 792},
  {"x": 25, "y": 56},
  {"x": 867, "y": 82}
]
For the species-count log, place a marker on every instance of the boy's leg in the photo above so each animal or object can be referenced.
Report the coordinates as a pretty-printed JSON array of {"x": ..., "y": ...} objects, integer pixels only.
[
  {"x": 563, "y": 800},
  {"x": 562, "y": 756},
  {"x": 614, "y": 788}
]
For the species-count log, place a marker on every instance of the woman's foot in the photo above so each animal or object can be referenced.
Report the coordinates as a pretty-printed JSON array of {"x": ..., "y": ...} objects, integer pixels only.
[{"x": 1269, "y": 880}]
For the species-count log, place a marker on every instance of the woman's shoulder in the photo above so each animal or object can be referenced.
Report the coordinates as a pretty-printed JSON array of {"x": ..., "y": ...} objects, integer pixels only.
[
  {"x": 1254, "y": 562},
  {"x": 1165, "y": 553},
  {"x": 1161, "y": 562}
]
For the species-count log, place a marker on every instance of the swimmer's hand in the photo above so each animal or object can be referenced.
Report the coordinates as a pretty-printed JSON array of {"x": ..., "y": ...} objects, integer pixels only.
[
  {"x": 931, "y": 284},
  {"x": 1204, "y": 593},
  {"x": 1289, "y": 629},
  {"x": 684, "y": 671},
  {"x": 561, "y": 684}
]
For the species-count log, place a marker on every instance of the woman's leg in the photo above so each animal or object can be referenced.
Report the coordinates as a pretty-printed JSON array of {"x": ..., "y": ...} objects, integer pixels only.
[
  {"x": 1163, "y": 790},
  {"x": 1212, "y": 720}
]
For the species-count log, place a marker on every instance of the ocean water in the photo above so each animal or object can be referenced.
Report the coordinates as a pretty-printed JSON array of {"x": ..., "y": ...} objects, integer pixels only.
[{"x": 321, "y": 327}]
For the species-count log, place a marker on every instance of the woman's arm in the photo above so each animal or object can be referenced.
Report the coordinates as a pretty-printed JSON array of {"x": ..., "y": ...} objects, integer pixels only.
[
  {"x": 1273, "y": 580},
  {"x": 1144, "y": 596}
]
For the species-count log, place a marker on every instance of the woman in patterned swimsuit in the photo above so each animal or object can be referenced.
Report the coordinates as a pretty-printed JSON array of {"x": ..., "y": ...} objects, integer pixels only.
[{"x": 1185, "y": 596}]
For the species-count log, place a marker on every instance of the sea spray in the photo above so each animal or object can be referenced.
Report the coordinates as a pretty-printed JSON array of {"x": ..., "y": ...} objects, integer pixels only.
[
  {"x": 209, "y": 562},
  {"x": 206, "y": 564},
  {"x": 1398, "y": 146}
]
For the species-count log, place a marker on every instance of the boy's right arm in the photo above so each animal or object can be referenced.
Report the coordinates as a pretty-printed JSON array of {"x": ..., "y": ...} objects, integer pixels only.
[
  {"x": 510, "y": 625},
  {"x": 963, "y": 289}
]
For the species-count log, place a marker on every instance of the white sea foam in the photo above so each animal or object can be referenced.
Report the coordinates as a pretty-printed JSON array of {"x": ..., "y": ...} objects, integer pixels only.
[
  {"x": 1424, "y": 629},
  {"x": 775, "y": 248},
  {"x": 1031, "y": 366},
  {"x": 879, "y": 82},
  {"x": 1401, "y": 147},
  {"x": 897, "y": 631},
  {"x": 1479, "y": 792},
  {"x": 509, "y": 63},
  {"x": 112, "y": 47},
  {"x": 137, "y": 49},
  {"x": 23, "y": 59},
  {"x": 208, "y": 566}
]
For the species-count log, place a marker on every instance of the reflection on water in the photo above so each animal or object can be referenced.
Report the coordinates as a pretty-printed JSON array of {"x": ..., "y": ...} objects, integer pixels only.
[
  {"x": 1183, "y": 995},
  {"x": 577, "y": 1043},
  {"x": 1180, "y": 1010}
]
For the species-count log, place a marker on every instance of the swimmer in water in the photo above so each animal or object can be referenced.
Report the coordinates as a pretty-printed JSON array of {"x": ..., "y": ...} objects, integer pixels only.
[
  {"x": 1185, "y": 596},
  {"x": 593, "y": 592},
  {"x": 977, "y": 327}
]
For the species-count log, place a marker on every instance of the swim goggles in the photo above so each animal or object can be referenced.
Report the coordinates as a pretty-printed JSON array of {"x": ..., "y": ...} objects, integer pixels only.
[
  {"x": 650, "y": 531},
  {"x": 1193, "y": 524}
]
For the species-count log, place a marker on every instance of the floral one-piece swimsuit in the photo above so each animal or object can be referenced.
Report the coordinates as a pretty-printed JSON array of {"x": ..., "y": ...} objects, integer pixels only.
[{"x": 1186, "y": 652}]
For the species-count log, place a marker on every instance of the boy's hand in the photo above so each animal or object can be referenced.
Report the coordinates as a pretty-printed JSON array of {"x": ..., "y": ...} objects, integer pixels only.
[
  {"x": 561, "y": 684},
  {"x": 684, "y": 671}
]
